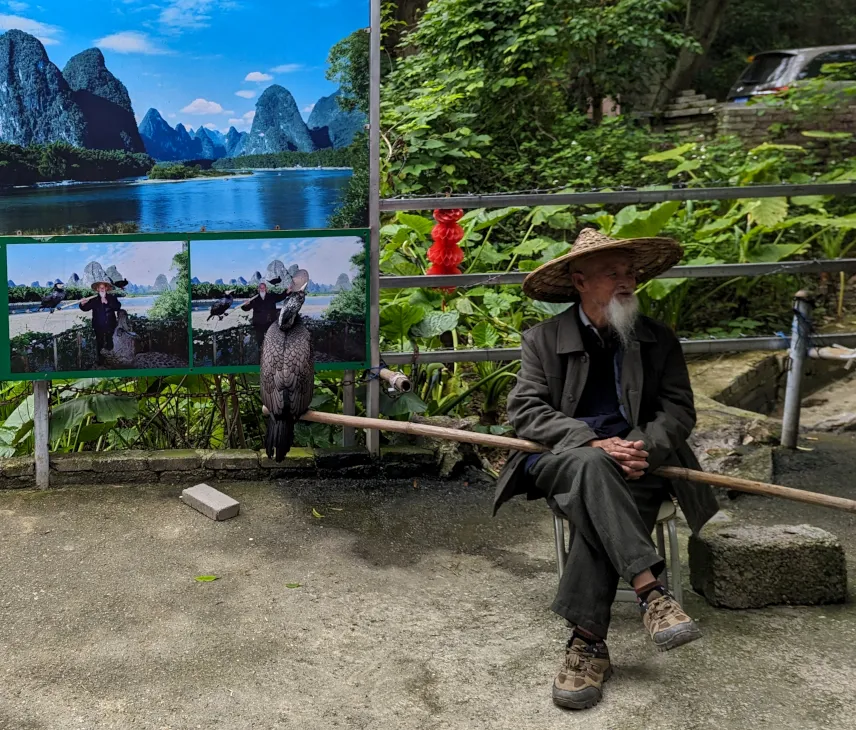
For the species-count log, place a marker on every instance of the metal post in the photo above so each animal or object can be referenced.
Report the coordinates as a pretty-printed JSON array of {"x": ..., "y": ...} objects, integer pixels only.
[
  {"x": 799, "y": 348},
  {"x": 214, "y": 345},
  {"x": 41, "y": 433},
  {"x": 56, "y": 354},
  {"x": 373, "y": 278},
  {"x": 349, "y": 406}
]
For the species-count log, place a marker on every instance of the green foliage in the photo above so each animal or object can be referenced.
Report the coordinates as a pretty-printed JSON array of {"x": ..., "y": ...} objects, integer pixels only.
[
  {"x": 349, "y": 67},
  {"x": 172, "y": 304},
  {"x": 60, "y": 161},
  {"x": 350, "y": 304},
  {"x": 286, "y": 160},
  {"x": 179, "y": 171},
  {"x": 510, "y": 80},
  {"x": 753, "y": 26}
]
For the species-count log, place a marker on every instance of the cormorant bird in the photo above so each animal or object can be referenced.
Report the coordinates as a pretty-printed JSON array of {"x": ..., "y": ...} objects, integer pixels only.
[
  {"x": 52, "y": 300},
  {"x": 221, "y": 306},
  {"x": 120, "y": 284},
  {"x": 287, "y": 370}
]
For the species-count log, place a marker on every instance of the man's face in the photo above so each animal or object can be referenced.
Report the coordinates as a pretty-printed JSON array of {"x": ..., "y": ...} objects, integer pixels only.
[
  {"x": 262, "y": 288},
  {"x": 102, "y": 290},
  {"x": 606, "y": 277}
]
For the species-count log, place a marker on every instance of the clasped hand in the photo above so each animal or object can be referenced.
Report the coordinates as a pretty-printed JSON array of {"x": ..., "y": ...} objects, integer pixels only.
[{"x": 630, "y": 455}]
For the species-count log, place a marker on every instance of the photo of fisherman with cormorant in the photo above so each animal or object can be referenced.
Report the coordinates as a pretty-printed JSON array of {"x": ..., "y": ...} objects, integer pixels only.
[
  {"x": 79, "y": 307},
  {"x": 240, "y": 287}
]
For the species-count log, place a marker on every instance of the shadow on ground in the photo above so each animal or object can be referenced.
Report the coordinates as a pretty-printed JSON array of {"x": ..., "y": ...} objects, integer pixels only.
[{"x": 401, "y": 607}]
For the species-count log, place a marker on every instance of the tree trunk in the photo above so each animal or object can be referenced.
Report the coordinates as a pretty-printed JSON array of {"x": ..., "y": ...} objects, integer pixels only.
[
  {"x": 703, "y": 26},
  {"x": 407, "y": 14}
]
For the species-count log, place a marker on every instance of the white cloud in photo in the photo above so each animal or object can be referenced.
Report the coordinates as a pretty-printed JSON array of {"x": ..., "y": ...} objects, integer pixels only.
[
  {"x": 183, "y": 15},
  {"x": 243, "y": 123},
  {"x": 44, "y": 32},
  {"x": 286, "y": 68},
  {"x": 17, "y": 7},
  {"x": 308, "y": 108},
  {"x": 131, "y": 41},
  {"x": 203, "y": 106},
  {"x": 245, "y": 93},
  {"x": 258, "y": 77}
]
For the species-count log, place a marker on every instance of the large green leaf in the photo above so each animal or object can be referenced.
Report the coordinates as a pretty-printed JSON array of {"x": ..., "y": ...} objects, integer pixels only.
[
  {"x": 672, "y": 154},
  {"x": 768, "y": 212},
  {"x": 419, "y": 224},
  {"x": 463, "y": 305},
  {"x": 105, "y": 408},
  {"x": 820, "y": 134},
  {"x": 659, "y": 289},
  {"x": 435, "y": 324},
  {"x": 772, "y": 252},
  {"x": 685, "y": 166},
  {"x": 484, "y": 218},
  {"x": 542, "y": 214},
  {"x": 19, "y": 423},
  {"x": 489, "y": 255},
  {"x": 397, "y": 319},
  {"x": 630, "y": 223},
  {"x": 532, "y": 246},
  {"x": 485, "y": 335},
  {"x": 401, "y": 405}
]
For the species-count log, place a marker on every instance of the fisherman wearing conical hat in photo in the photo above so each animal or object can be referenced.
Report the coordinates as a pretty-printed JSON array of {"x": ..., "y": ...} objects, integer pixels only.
[
  {"x": 607, "y": 390},
  {"x": 103, "y": 306}
]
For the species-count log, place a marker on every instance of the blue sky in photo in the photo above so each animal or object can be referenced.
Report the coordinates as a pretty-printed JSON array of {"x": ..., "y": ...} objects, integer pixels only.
[
  {"x": 140, "y": 263},
  {"x": 199, "y": 62},
  {"x": 324, "y": 258}
]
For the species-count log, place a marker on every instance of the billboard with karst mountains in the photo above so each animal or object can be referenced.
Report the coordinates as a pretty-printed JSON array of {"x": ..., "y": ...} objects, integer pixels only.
[{"x": 158, "y": 161}]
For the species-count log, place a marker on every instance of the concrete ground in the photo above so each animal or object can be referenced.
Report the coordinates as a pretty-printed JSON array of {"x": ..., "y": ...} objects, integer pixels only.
[{"x": 415, "y": 609}]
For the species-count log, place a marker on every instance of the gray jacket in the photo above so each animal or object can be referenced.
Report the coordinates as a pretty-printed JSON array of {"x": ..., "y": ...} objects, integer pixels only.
[{"x": 655, "y": 392}]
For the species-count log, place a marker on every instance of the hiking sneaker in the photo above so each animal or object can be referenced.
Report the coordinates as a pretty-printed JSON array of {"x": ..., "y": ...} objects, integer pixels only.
[
  {"x": 578, "y": 684},
  {"x": 666, "y": 621}
]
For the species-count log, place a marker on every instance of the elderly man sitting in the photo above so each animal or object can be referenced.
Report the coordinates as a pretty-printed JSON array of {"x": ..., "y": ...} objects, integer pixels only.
[{"x": 607, "y": 391}]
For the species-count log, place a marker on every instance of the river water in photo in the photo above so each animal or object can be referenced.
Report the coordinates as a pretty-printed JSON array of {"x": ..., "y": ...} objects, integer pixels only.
[{"x": 290, "y": 199}]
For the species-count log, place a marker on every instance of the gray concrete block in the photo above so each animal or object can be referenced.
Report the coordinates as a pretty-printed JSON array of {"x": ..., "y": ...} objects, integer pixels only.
[
  {"x": 210, "y": 502},
  {"x": 751, "y": 566}
]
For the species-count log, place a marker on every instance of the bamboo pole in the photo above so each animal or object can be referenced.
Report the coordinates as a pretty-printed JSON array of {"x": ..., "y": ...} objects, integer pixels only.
[{"x": 504, "y": 442}]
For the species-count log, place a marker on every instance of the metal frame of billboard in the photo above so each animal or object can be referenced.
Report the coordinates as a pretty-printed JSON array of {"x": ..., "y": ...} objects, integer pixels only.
[{"x": 188, "y": 238}]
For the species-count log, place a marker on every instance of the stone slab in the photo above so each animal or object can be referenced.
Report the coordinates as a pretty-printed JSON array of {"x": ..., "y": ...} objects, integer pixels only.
[
  {"x": 210, "y": 502},
  {"x": 178, "y": 460},
  {"x": 72, "y": 462},
  {"x": 231, "y": 459},
  {"x": 748, "y": 566},
  {"x": 120, "y": 463},
  {"x": 341, "y": 458},
  {"x": 18, "y": 466},
  {"x": 296, "y": 458}
]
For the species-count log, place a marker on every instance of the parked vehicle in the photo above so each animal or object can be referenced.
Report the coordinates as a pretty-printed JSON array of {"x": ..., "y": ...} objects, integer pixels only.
[{"x": 774, "y": 71}]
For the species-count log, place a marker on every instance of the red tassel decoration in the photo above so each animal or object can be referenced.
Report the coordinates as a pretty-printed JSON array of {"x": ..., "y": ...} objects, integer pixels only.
[{"x": 445, "y": 254}]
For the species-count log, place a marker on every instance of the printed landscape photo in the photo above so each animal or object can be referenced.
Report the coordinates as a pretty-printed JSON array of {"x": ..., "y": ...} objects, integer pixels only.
[
  {"x": 76, "y": 307},
  {"x": 179, "y": 116},
  {"x": 237, "y": 287}
]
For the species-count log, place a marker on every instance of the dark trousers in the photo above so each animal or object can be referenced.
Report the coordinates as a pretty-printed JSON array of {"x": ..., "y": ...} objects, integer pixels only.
[
  {"x": 103, "y": 341},
  {"x": 611, "y": 522}
]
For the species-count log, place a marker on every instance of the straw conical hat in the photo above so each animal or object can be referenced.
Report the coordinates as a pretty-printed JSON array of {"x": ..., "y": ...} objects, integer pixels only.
[
  {"x": 108, "y": 284},
  {"x": 552, "y": 282}
]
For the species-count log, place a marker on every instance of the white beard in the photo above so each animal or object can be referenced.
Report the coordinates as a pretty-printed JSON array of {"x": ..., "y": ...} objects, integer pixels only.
[
  {"x": 262, "y": 294},
  {"x": 621, "y": 316}
]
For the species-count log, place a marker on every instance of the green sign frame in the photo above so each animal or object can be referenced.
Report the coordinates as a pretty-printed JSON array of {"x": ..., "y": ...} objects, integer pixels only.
[{"x": 188, "y": 238}]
